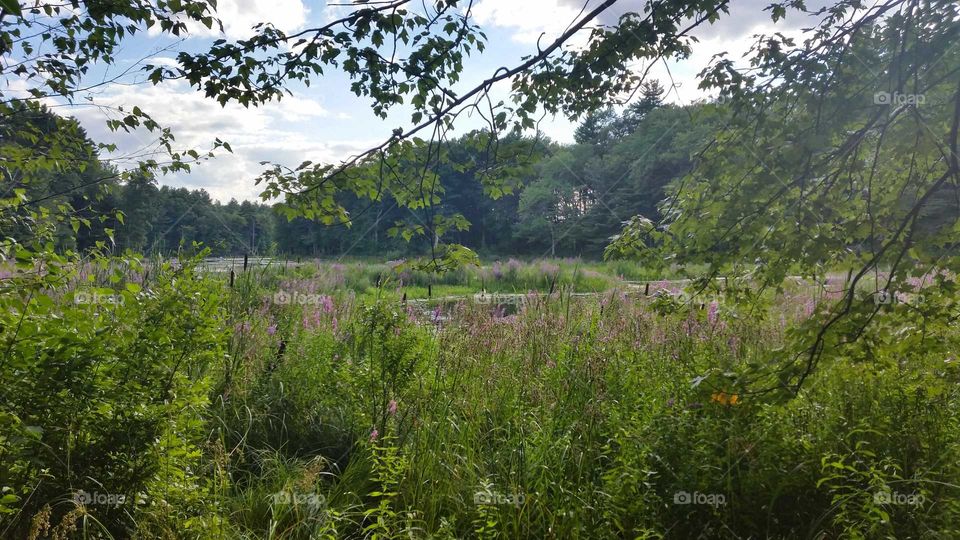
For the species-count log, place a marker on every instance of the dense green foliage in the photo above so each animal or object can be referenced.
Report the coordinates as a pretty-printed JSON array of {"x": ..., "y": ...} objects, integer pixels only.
[
  {"x": 353, "y": 416},
  {"x": 804, "y": 383},
  {"x": 567, "y": 200}
]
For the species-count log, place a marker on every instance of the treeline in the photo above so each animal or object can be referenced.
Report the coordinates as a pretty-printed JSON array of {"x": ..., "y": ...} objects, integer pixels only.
[{"x": 570, "y": 202}]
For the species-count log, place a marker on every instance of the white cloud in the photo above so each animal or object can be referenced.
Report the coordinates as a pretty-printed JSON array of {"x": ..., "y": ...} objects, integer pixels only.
[
  {"x": 733, "y": 33},
  {"x": 284, "y": 132},
  {"x": 531, "y": 18},
  {"x": 239, "y": 17},
  {"x": 528, "y": 19}
]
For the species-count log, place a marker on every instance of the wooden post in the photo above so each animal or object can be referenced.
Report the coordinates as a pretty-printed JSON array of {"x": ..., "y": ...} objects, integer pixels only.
[
  {"x": 231, "y": 279},
  {"x": 245, "y": 255},
  {"x": 429, "y": 290},
  {"x": 646, "y": 289}
]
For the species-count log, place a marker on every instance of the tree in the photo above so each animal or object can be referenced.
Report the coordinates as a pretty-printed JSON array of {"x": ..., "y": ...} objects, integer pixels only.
[
  {"x": 551, "y": 206},
  {"x": 842, "y": 154},
  {"x": 435, "y": 40},
  {"x": 595, "y": 127},
  {"x": 651, "y": 97}
]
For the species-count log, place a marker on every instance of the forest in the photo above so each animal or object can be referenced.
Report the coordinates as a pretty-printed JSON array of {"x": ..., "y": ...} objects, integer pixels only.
[{"x": 568, "y": 201}]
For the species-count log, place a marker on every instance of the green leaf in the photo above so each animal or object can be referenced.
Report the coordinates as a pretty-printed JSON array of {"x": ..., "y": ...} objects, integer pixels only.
[{"x": 11, "y": 6}]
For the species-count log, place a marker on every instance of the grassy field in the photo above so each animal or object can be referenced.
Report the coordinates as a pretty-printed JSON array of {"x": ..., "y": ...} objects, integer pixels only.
[{"x": 310, "y": 403}]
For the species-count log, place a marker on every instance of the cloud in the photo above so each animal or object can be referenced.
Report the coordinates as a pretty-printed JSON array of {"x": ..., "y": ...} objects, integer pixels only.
[
  {"x": 529, "y": 19},
  {"x": 285, "y": 132},
  {"x": 732, "y": 33},
  {"x": 239, "y": 17}
]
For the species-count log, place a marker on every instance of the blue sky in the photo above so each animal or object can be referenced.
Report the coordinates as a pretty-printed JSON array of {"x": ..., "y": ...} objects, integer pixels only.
[{"x": 326, "y": 122}]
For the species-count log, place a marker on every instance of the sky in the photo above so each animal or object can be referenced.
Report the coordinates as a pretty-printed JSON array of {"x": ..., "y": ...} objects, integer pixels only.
[{"x": 326, "y": 122}]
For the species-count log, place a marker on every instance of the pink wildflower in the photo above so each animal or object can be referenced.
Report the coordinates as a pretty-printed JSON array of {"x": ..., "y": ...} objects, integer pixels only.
[
  {"x": 374, "y": 434},
  {"x": 392, "y": 407},
  {"x": 271, "y": 330},
  {"x": 712, "y": 313},
  {"x": 327, "y": 303}
]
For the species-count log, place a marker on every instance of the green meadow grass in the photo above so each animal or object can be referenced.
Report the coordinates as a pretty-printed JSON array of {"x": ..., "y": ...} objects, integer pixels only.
[{"x": 354, "y": 415}]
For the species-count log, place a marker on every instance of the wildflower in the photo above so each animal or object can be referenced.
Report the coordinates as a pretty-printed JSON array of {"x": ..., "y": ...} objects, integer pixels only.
[
  {"x": 327, "y": 303},
  {"x": 724, "y": 398},
  {"x": 712, "y": 313},
  {"x": 374, "y": 434},
  {"x": 392, "y": 407},
  {"x": 551, "y": 364},
  {"x": 311, "y": 320},
  {"x": 437, "y": 313},
  {"x": 271, "y": 330}
]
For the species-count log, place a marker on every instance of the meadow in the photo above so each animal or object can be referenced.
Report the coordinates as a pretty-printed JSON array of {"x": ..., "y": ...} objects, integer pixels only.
[{"x": 323, "y": 400}]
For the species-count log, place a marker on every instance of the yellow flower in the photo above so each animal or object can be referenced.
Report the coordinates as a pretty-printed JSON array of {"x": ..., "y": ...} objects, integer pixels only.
[{"x": 724, "y": 398}]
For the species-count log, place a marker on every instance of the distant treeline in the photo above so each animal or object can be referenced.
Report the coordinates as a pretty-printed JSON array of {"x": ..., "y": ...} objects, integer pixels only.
[{"x": 570, "y": 203}]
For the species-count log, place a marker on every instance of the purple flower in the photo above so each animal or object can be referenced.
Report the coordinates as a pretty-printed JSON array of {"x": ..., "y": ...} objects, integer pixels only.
[
  {"x": 392, "y": 407},
  {"x": 734, "y": 343},
  {"x": 712, "y": 313},
  {"x": 271, "y": 330},
  {"x": 374, "y": 434}
]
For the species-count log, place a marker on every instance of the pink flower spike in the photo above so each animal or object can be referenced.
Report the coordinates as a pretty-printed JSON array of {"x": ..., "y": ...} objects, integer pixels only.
[
  {"x": 374, "y": 434},
  {"x": 392, "y": 407}
]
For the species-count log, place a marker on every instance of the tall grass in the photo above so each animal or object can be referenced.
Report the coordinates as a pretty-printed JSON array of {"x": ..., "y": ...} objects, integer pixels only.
[
  {"x": 354, "y": 414},
  {"x": 575, "y": 417}
]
